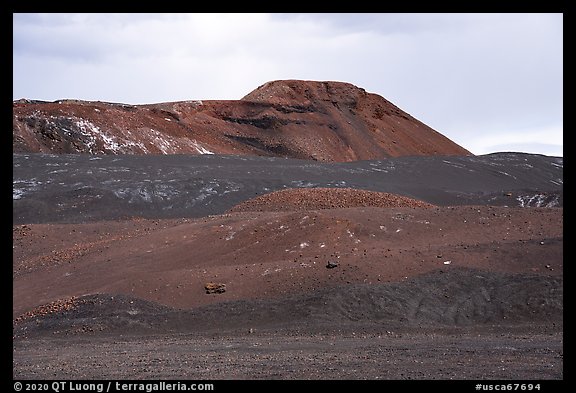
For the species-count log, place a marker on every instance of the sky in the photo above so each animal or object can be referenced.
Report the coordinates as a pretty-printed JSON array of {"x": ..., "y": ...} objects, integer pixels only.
[{"x": 490, "y": 82}]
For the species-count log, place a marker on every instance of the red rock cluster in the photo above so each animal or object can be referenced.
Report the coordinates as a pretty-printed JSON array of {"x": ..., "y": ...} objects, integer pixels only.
[
  {"x": 212, "y": 287},
  {"x": 21, "y": 231},
  {"x": 325, "y": 198},
  {"x": 56, "y": 306}
]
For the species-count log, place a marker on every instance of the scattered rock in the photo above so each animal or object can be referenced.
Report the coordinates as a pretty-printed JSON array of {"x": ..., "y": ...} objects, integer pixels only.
[
  {"x": 298, "y": 199},
  {"x": 331, "y": 265},
  {"x": 213, "y": 287},
  {"x": 57, "y": 306}
]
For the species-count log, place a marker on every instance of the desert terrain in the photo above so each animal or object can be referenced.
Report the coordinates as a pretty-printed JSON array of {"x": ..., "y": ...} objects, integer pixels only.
[
  {"x": 258, "y": 266},
  {"x": 309, "y": 274}
]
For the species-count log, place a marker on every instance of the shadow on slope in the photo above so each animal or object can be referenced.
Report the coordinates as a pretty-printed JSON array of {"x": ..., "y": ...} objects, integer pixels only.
[{"x": 452, "y": 298}]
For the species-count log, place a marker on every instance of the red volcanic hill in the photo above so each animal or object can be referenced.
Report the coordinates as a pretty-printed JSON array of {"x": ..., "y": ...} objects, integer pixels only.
[{"x": 324, "y": 121}]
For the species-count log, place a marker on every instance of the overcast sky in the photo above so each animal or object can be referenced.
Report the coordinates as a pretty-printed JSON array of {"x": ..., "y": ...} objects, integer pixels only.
[{"x": 490, "y": 82}]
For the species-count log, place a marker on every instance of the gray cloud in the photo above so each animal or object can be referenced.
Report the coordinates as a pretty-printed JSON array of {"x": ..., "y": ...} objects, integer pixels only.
[{"x": 483, "y": 80}]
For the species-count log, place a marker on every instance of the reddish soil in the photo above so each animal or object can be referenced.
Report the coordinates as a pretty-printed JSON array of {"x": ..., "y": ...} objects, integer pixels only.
[
  {"x": 270, "y": 254},
  {"x": 310, "y": 294}
]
